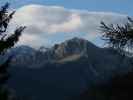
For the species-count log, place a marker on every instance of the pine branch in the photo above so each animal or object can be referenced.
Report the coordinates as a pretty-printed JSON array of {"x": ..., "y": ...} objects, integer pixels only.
[
  {"x": 118, "y": 36},
  {"x": 11, "y": 40}
]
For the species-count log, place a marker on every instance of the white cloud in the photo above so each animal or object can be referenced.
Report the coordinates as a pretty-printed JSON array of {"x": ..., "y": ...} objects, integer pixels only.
[
  {"x": 44, "y": 22},
  {"x": 71, "y": 25},
  {"x": 32, "y": 40}
]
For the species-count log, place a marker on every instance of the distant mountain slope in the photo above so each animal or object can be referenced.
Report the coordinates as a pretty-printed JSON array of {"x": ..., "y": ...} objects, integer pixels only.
[
  {"x": 65, "y": 70},
  {"x": 72, "y": 48}
]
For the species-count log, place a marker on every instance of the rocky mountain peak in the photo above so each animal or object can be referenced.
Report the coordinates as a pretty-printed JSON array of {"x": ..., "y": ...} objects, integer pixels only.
[{"x": 74, "y": 46}]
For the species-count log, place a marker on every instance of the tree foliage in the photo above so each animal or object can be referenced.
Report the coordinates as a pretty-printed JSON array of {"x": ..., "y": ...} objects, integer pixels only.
[
  {"x": 6, "y": 41},
  {"x": 120, "y": 37}
]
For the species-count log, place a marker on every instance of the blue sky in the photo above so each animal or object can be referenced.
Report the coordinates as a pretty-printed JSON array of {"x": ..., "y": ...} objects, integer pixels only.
[
  {"x": 120, "y": 6},
  {"x": 110, "y": 10}
]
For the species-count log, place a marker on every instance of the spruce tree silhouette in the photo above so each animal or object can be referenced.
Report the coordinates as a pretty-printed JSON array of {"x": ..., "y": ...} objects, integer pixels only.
[
  {"x": 119, "y": 37},
  {"x": 6, "y": 42}
]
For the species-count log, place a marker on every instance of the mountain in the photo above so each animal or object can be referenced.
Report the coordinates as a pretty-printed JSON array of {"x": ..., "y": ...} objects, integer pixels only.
[
  {"x": 70, "y": 47},
  {"x": 67, "y": 51},
  {"x": 25, "y": 55},
  {"x": 65, "y": 70}
]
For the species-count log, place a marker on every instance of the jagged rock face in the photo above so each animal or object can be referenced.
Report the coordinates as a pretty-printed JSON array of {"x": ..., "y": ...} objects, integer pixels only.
[
  {"x": 71, "y": 47},
  {"x": 24, "y": 55}
]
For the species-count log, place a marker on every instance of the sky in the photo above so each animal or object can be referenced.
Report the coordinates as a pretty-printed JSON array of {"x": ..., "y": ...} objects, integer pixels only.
[
  {"x": 120, "y": 6},
  {"x": 53, "y": 21}
]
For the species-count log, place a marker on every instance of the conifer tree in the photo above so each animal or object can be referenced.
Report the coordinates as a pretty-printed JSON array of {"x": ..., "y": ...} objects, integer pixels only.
[
  {"x": 119, "y": 37},
  {"x": 7, "y": 41}
]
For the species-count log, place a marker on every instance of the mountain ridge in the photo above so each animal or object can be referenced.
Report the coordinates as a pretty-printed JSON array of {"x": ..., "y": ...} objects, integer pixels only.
[
  {"x": 66, "y": 69},
  {"x": 72, "y": 47}
]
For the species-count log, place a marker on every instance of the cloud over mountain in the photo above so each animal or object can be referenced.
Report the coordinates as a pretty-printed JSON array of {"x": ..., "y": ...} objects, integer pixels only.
[{"x": 44, "y": 22}]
